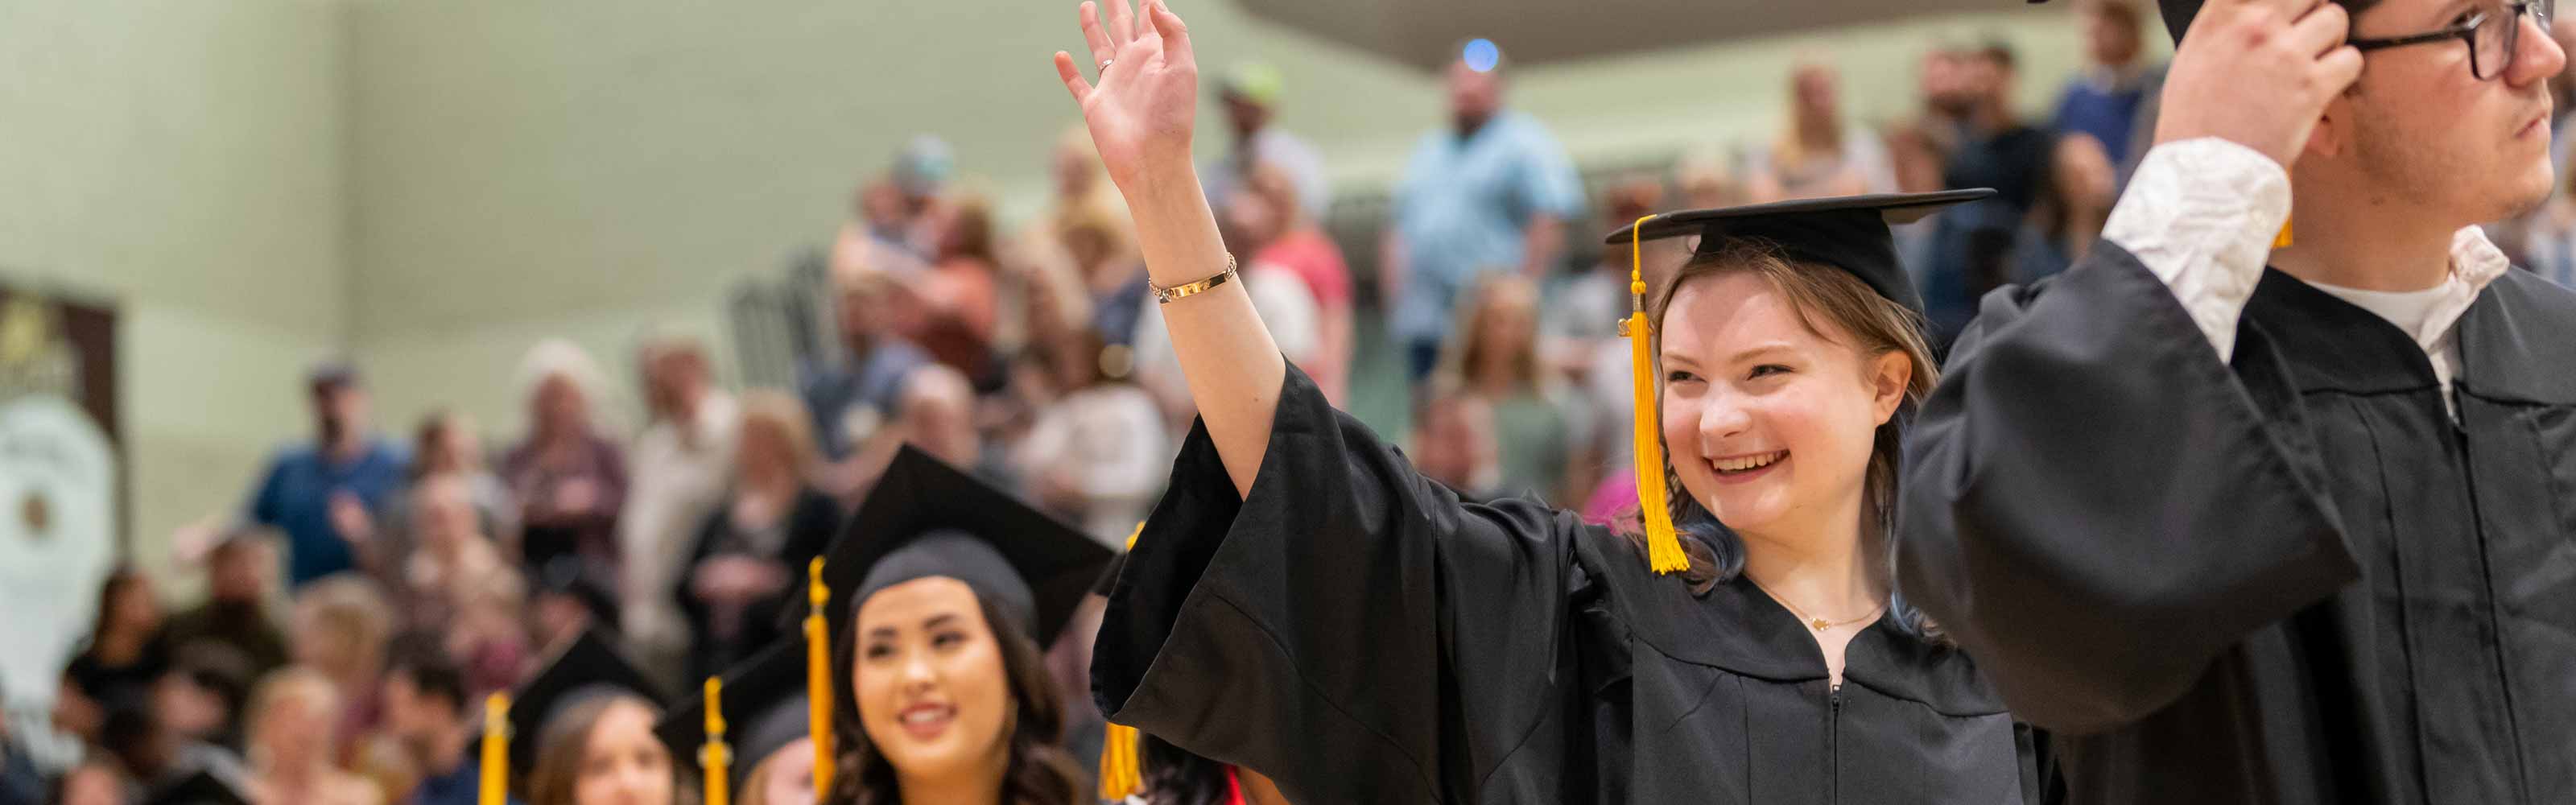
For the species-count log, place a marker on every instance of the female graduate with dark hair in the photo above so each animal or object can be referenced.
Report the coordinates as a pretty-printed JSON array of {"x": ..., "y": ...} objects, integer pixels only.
[
  {"x": 942, "y": 592},
  {"x": 1367, "y": 636}
]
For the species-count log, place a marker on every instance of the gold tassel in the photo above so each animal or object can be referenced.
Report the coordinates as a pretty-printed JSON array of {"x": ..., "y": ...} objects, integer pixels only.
[
  {"x": 818, "y": 675},
  {"x": 1132, "y": 535},
  {"x": 1122, "y": 772},
  {"x": 715, "y": 758},
  {"x": 2283, "y": 241},
  {"x": 1663, "y": 546},
  {"x": 496, "y": 750}
]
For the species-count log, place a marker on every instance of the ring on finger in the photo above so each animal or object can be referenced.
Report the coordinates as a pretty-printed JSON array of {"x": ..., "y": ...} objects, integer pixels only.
[{"x": 1104, "y": 64}]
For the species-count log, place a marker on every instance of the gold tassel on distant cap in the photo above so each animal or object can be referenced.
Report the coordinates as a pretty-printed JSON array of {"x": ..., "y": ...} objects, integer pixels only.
[
  {"x": 716, "y": 758},
  {"x": 818, "y": 674},
  {"x": 1663, "y": 546},
  {"x": 1122, "y": 773},
  {"x": 496, "y": 750}
]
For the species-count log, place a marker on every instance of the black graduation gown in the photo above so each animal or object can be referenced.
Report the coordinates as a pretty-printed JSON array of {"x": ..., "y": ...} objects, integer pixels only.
[
  {"x": 1355, "y": 632},
  {"x": 2287, "y": 579}
]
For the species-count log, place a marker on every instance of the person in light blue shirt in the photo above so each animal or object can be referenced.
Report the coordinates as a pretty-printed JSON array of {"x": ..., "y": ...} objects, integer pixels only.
[
  {"x": 1490, "y": 193},
  {"x": 325, "y": 495}
]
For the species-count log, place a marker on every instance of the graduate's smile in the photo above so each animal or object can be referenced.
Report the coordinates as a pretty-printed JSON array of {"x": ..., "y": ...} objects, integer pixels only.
[
  {"x": 927, "y": 720},
  {"x": 1739, "y": 469}
]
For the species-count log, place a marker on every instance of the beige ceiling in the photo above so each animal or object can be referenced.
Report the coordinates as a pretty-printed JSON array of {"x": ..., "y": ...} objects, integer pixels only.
[{"x": 1425, "y": 32}]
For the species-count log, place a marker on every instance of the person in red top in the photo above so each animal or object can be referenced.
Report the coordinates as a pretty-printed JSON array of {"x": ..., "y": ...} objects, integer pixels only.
[{"x": 1283, "y": 236}]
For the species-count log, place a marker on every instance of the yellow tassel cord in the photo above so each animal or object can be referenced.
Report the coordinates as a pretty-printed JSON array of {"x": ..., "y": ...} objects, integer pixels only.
[
  {"x": 818, "y": 675},
  {"x": 1663, "y": 546},
  {"x": 1132, "y": 535},
  {"x": 2282, "y": 242},
  {"x": 1122, "y": 773},
  {"x": 715, "y": 759},
  {"x": 496, "y": 750}
]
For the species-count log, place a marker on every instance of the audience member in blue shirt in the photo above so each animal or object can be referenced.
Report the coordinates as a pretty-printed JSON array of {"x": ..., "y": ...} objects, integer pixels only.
[
  {"x": 2113, "y": 98},
  {"x": 851, "y": 397},
  {"x": 325, "y": 494},
  {"x": 1491, "y": 193}
]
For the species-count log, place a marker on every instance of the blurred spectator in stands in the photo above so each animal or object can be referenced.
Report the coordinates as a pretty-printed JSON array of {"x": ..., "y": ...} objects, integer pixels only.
[
  {"x": 856, "y": 394},
  {"x": 340, "y": 628},
  {"x": 1492, "y": 192},
  {"x": 1972, "y": 249},
  {"x": 1278, "y": 236},
  {"x": 203, "y": 695},
  {"x": 453, "y": 557},
  {"x": 239, "y": 572},
  {"x": 749, "y": 554},
  {"x": 293, "y": 745},
  {"x": 677, "y": 473},
  {"x": 2071, "y": 210},
  {"x": 1817, "y": 153},
  {"x": 953, "y": 310},
  {"x": 445, "y": 443},
  {"x": 1496, "y": 358},
  {"x": 326, "y": 495},
  {"x": 1097, "y": 454},
  {"x": 126, "y": 652},
  {"x": 564, "y": 599},
  {"x": 569, "y": 478},
  {"x": 427, "y": 713},
  {"x": 1251, "y": 92},
  {"x": 1454, "y": 444},
  {"x": 897, "y": 210},
  {"x": 1579, "y": 330},
  {"x": 2117, "y": 84}
]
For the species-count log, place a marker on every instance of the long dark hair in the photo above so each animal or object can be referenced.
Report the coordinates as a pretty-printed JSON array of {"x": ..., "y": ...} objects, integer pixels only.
[
  {"x": 1040, "y": 771},
  {"x": 1880, "y": 326}
]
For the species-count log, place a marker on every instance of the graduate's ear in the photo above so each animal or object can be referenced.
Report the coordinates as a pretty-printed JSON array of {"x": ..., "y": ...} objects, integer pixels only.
[
  {"x": 2333, "y": 133},
  {"x": 1889, "y": 375}
]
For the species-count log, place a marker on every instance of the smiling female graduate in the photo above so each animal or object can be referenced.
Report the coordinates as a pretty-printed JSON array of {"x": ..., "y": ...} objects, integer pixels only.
[
  {"x": 943, "y": 592},
  {"x": 1368, "y": 637}
]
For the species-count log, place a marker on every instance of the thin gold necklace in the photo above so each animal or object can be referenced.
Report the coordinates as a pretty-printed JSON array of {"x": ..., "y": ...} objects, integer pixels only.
[{"x": 1819, "y": 624}]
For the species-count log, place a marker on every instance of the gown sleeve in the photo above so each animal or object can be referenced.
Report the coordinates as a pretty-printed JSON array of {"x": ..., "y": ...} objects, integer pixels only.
[
  {"x": 1350, "y": 628},
  {"x": 2094, "y": 504}
]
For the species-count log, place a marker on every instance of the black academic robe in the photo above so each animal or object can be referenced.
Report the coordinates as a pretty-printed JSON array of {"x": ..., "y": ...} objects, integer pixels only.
[
  {"x": 1354, "y": 631},
  {"x": 2288, "y": 578}
]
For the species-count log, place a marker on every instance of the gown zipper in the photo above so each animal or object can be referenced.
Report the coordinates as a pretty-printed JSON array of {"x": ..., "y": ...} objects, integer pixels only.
[{"x": 1834, "y": 745}]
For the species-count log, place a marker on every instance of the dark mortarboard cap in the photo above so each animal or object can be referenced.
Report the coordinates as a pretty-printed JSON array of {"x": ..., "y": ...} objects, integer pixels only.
[
  {"x": 926, "y": 519},
  {"x": 2178, "y": 14},
  {"x": 1846, "y": 232},
  {"x": 588, "y": 667},
  {"x": 765, "y": 709},
  {"x": 203, "y": 787}
]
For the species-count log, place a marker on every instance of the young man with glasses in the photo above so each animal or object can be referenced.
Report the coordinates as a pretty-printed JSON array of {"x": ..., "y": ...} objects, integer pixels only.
[{"x": 2267, "y": 501}]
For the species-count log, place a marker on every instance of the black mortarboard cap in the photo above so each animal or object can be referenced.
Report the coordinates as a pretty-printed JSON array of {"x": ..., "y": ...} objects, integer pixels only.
[
  {"x": 765, "y": 709},
  {"x": 589, "y": 666},
  {"x": 202, "y": 787},
  {"x": 925, "y": 519},
  {"x": 1846, "y": 232}
]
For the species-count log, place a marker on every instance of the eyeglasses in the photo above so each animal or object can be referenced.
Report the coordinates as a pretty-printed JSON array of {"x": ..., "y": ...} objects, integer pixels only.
[{"x": 2493, "y": 37}]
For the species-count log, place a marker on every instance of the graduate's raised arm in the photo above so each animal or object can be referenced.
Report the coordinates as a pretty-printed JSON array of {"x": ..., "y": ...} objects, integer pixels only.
[
  {"x": 1140, "y": 112},
  {"x": 2095, "y": 501}
]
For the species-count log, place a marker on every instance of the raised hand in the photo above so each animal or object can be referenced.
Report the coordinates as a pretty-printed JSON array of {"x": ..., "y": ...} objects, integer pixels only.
[
  {"x": 2258, "y": 73},
  {"x": 1141, "y": 111}
]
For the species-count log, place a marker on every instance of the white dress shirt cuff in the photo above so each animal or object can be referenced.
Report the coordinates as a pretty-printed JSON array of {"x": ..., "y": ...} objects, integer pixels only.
[{"x": 2202, "y": 215}]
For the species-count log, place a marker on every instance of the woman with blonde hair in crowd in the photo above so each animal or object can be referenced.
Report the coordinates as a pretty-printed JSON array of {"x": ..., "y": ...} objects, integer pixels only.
[
  {"x": 291, "y": 746},
  {"x": 1495, "y": 356},
  {"x": 1816, "y": 154},
  {"x": 568, "y": 476}
]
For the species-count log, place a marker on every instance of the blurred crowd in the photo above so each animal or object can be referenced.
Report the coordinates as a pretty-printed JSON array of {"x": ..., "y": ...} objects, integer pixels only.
[{"x": 373, "y": 589}]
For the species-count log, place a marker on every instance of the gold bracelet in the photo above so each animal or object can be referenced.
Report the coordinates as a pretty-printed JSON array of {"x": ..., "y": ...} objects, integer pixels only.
[{"x": 1189, "y": 289}]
